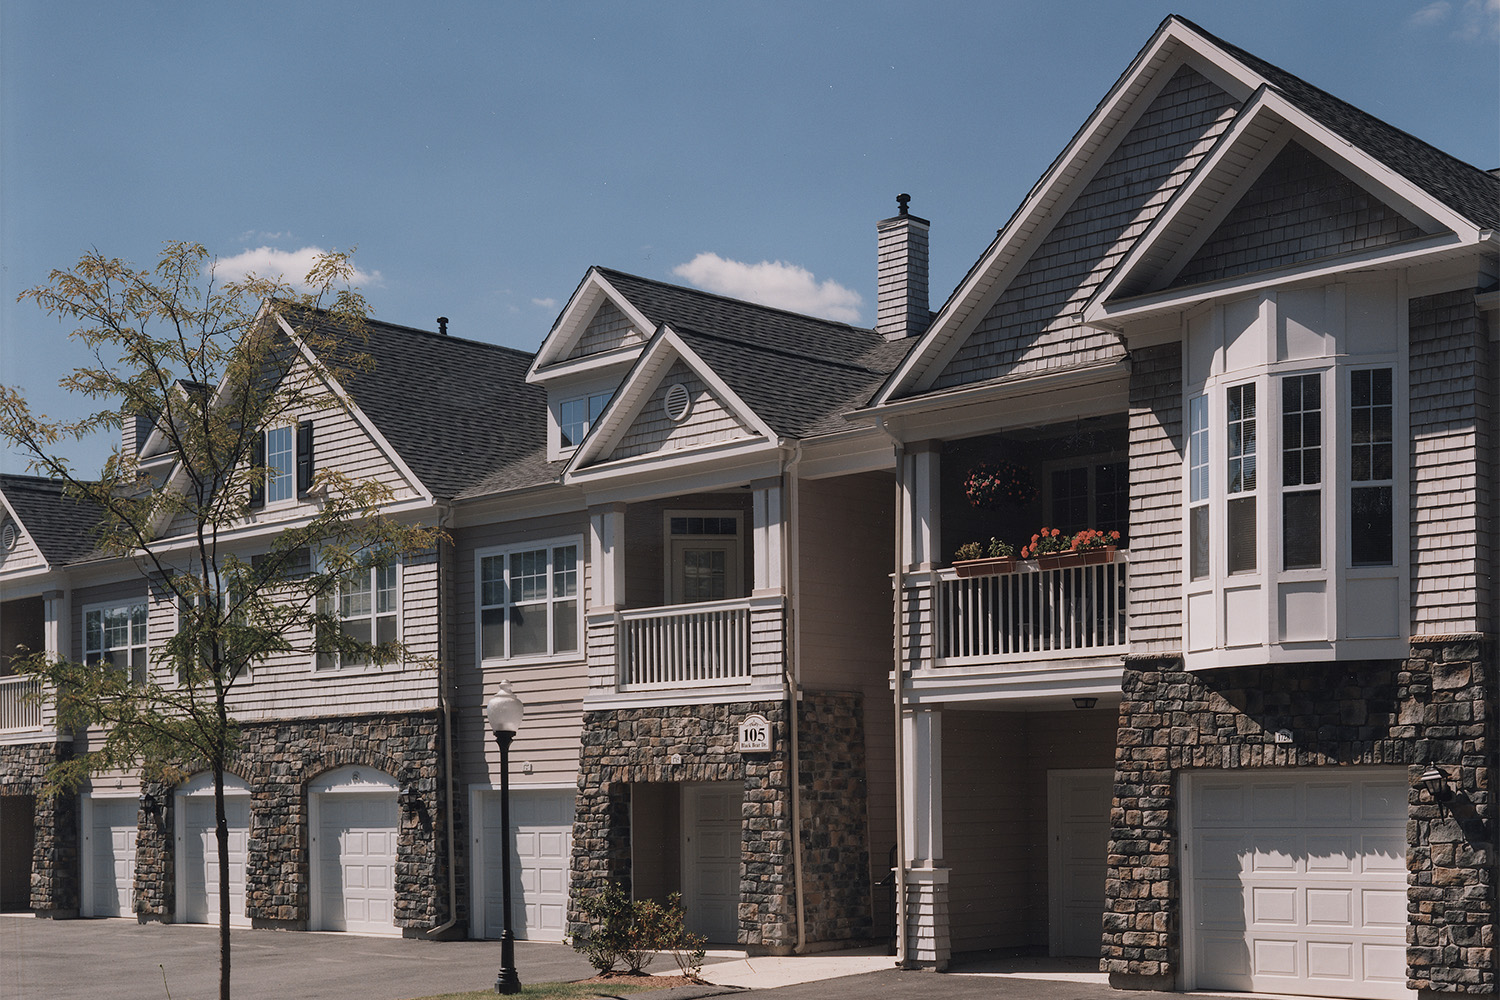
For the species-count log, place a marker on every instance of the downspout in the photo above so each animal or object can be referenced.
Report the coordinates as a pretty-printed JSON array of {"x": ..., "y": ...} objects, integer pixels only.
[
  {"x": 790, "y": 575},
  {"x": 897, "y": 686},
  {"x": 445, "y": 706}
]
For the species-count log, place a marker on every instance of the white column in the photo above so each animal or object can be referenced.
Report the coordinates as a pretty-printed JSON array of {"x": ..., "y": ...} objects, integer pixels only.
[
  {"x": 57, "y": 624},
  {"x": 607, "y": 557},
  {"x": 768, "y": 537},
  {"x": 922, "y": 746},
  {"x": 921, "y": 505}
]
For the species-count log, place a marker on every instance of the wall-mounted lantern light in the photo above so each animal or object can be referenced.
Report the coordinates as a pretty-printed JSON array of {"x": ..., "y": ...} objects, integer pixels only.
[{"x": 1085, "y": 702}]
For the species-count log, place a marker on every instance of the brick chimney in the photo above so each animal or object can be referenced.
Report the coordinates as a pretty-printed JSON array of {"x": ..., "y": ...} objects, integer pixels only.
[{"x": 901, "y": 274}]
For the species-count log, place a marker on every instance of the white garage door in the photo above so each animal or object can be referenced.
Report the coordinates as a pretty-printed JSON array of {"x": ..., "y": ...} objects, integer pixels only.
[
  {"x": 1298, "y": 882},
  {"x": 111, "y": 853},
  {"x": 543, "y": 835},
  {"x": 354, "y": 853},
  {"x": 198, "y": 851}
]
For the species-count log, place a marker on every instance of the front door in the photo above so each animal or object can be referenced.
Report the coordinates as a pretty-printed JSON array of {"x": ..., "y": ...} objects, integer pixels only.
[
  {"x": 1078, "y": 845},
  {"x": 703, "y": 556},
  {"x": 711, "y": 840}
]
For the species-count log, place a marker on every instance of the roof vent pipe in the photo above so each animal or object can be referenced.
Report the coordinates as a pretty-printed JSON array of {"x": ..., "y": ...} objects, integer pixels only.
[
  {"x": 901, "y": 274},
  {"x": 442, "y": 326}
]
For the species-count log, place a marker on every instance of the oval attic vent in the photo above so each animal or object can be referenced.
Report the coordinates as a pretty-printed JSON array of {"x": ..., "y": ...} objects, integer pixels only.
[{"x": 678, "y": 402}]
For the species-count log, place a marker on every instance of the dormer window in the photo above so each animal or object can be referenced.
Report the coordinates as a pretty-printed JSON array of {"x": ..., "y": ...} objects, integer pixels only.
[{"x": 575, "y": 417}]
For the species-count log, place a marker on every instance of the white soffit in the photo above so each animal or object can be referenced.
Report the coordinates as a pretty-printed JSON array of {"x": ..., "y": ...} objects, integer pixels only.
[
  {"x": 1259, "y": 133},
  {"x": 635, "y": 392},
  {"x": 552, "y": 357}
]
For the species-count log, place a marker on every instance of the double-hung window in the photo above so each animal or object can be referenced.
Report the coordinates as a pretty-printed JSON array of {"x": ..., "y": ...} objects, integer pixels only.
[
  {"x": 1301, "y": 472},
  {"x": 286, "y": 455},
  {"x": 1240, "y": 508},
  {"x": 1371, "y": 467},
  {"x": 368, "y": 606},
  {"x": 1199, "y": 520},
  {"x": 528, "y": 599},
  {"x": 115, "y": 636}
]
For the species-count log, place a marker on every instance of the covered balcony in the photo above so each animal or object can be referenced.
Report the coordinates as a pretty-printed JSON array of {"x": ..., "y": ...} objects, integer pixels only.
[
  {"x": 1008, "y": 610},
  {"x": 693, "y": 605},
  {"x": 24, "y": 717}
]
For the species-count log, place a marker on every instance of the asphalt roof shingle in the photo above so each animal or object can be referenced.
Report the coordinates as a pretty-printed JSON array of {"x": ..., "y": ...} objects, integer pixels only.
[{"x": 63, "y": 528}]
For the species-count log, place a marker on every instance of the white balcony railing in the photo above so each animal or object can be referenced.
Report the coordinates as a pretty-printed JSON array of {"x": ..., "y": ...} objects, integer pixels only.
[
  {"x": 1030, "y": 614},
  {"x": 685, "y": 645},
  {"x": 19, "y": 709}
]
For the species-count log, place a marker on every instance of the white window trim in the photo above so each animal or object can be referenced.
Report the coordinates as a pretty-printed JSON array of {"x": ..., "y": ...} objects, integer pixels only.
[
  {"x": 245, "y": 675},
  {"x": 286, "y": 501},
  {"x": 582, "y": 392},
  {"x": 736, "y": 589},
  {"x": 341, "y": 669},
  {"x": 143, "y": 603},
  {"x": 579, "y": 598}
]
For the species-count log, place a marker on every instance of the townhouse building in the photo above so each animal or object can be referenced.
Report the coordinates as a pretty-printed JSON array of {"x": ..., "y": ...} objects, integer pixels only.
[{"x": 1250, "y": 746}]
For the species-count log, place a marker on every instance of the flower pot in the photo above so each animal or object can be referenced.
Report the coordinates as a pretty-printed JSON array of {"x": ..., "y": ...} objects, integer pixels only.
[
  {"x": 1098, "y": 557},
  {"x": 984, "y": 567},
  {"x": 1059, "y": 560}
]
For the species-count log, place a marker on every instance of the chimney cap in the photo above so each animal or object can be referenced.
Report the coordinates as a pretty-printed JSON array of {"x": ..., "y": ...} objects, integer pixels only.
[
  {"x": 903, "y": 203},
  {"x": 442, "y": 326},
  {"x": 903, "y": 200}
]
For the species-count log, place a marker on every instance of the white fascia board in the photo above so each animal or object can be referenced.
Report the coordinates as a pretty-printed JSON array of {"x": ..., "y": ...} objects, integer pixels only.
[
  {"x": 591, "y": 364},
  {"x": 1017, "y": 684},
  {"x": 31, "y": 582},
  {"x": 248, "y": 532},
  {"x": 551, "y": 357},
  {"x": 629, "y": 399},
  {"x": 30, "y": 538},
  {"x": 864, "y": 450},
  {"x": 533, "y": 501},
  {"x": 1432, "y": 249},
  {"x": 606, "y": 700},
  {"x": 1267, "y": 110},
  {"x": 974, "y": 408},
  {"x": 1173, "y": 44},
  {"x": 699, "y": 469}
]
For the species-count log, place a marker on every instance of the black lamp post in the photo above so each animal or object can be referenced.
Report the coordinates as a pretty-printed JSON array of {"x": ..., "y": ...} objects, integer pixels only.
[{"x": 504, "y": 714}]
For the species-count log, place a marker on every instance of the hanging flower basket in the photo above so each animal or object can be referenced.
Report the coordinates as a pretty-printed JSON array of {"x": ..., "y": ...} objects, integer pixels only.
[{"x": 998, "y": 485}]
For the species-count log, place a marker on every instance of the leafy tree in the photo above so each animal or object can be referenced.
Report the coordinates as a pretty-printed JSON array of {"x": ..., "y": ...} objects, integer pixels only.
[{"x": 210, "y": 365}]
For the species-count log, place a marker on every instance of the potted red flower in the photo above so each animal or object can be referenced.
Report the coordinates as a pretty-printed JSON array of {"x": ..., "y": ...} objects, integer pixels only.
[
  {"x": 1051, "y": 549},
  {"x": 1097, "y": 547}
]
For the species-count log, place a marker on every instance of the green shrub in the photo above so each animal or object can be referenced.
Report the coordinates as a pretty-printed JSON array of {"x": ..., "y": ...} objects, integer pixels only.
[{"x": 633, "y": 931}]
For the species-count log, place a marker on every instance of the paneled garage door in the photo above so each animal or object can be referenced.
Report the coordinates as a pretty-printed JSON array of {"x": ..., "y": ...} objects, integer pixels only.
[
  {"x": 1297, "y": 881},
  {"x": 355, "y": 817},
  {"x": 111, "y": 853},
  {"x": 198, "y": 846},
  {"x": 543, "y": 823}
]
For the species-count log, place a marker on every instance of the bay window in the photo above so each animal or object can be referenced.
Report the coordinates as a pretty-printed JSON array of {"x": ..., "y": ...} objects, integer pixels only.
[
  {"x": 1240, "y": 510},
  {"x": 1198, "y": 513},
  {"x": 528, "y": 599},
  {"x": 1371, "y": 467},
  {"x": 1301, "y": 472}
]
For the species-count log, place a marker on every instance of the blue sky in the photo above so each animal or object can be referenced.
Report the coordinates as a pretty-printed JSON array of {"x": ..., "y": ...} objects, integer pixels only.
[{"x": 483, "y": 155}]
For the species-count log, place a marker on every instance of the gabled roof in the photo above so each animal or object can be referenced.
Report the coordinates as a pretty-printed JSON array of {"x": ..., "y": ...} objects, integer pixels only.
[
  {"x": 63, "y": 528},
  {"x": 458, "y": 412},
  {"x": 1466, "y": 190},
  {"x": 799, "y": 374}
]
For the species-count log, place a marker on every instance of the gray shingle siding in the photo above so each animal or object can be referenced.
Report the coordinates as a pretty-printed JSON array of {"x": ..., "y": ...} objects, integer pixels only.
[
  {"x": 1453, "y": 446},
  {"x": 1035, "y": 325},
  {"x": 1299, "y": 209},
  {"x": 1156, "y": 443}
]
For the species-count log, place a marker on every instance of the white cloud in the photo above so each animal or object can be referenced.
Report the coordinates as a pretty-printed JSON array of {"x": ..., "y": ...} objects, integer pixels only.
[
  {"x": 1433, "y": 13},
  {"x": 544, "y": 303},
  {"x": 1473, "y": 20},
  {"x": 778, "y": 284},
  {"x": 289, "y": 265}
]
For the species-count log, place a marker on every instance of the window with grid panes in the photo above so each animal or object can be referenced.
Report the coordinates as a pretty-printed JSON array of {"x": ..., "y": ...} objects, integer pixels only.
[
  {"x": 116, "y": 637},
  {"x": 528, "y": 597}
]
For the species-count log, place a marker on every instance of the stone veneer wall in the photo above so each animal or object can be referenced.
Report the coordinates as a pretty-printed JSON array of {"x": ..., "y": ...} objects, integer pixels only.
[
  {"x": 1438, "y": 706},
  {"x": 835, "y": 822},
  {"x": 54, "y": 855},
  {"x": 622, "y": 746},
  {"x": 279, "y": 760}
]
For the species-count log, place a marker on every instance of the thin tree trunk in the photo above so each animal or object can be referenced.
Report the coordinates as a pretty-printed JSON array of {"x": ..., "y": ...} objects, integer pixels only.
[{"x": 221, "y": 834}]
